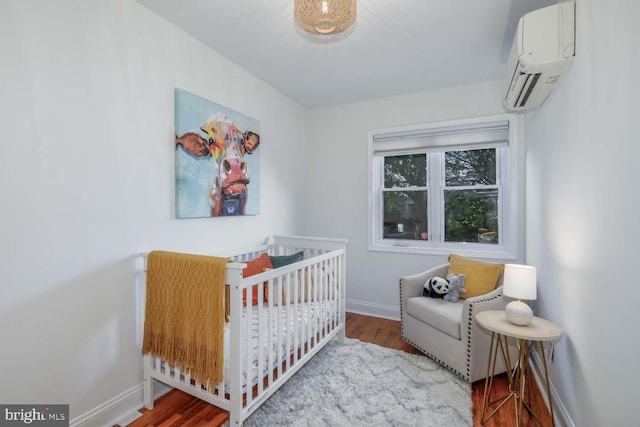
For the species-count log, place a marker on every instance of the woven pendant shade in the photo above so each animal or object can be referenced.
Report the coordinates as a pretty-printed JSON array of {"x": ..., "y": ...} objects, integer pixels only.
[{"x": 324, "y": 17}]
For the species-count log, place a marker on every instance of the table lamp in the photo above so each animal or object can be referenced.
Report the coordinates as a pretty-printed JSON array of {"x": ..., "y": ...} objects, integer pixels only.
[{"x": 520, "y": 283}]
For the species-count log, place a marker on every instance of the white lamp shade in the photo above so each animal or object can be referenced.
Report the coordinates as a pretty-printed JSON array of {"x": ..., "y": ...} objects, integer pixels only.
[{"x": 520, "y": 281}]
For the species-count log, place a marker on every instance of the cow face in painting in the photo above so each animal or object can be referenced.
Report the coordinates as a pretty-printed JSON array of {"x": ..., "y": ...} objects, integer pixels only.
[
  {"x": 227, "y": 145},
  {"x": 228, "y": 193}
]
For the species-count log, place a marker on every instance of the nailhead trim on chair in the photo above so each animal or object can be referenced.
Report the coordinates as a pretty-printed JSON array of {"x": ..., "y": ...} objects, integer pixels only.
[
  {"x": 400, "y": 288},
  {"x": 469, "y": 328}
]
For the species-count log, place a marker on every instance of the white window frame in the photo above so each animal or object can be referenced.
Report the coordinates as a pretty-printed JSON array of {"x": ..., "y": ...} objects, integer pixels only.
[{"x": 439, "y": 137}]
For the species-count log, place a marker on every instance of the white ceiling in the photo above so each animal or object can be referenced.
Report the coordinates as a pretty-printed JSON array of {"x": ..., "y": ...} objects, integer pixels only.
[{"x": 396, "y": 46}]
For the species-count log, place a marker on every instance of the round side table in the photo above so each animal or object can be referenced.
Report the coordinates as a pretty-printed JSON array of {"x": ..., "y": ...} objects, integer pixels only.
[{"x": 538, "y": 331}]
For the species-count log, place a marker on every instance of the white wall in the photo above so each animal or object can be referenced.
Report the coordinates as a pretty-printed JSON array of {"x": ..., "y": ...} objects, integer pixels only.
[
  {"x": 582, "y": 216},
  {"x": 338, "y": 183},
  {"x": 87, "y": 179}
]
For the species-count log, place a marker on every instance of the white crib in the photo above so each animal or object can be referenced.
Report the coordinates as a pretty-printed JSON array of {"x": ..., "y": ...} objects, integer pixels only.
[{"x": 267, "y": 343}]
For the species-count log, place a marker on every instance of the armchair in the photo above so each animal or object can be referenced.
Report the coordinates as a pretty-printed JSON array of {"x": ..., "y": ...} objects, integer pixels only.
[{"x": 447, "y": 331}]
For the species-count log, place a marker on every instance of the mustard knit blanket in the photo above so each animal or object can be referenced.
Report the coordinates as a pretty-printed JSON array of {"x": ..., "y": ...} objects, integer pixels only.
[{"x": 184, "y": 313}]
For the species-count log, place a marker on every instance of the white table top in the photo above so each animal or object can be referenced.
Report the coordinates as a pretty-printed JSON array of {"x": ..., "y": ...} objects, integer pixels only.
[{"x": 538, "y": 330}]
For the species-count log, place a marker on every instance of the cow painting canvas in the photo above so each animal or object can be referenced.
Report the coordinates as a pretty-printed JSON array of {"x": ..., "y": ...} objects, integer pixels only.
[{"x": 217, "y": 159}]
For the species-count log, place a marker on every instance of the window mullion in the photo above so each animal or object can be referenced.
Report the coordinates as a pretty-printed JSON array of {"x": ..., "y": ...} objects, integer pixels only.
[
  {"x": 441, "y": 185},
  {"x": 470, "y": 187},
  {"x": 379, "y": 197},
  {"x": 435, "y": 196},
  {"x": 503, "y": 199}
]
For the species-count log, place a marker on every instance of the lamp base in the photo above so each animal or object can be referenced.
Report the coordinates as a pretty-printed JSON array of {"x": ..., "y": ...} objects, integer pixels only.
[{"x": 518, "y": 313}]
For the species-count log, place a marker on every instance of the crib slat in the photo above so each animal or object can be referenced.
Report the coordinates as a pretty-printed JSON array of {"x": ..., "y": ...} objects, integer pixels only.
[
  {"x": 288, "y": 330},
  {"x": 337, "y": 266},
  {"x": 299, "y": 314},
  {"x": 269, "y": 323},
  {"x": 278, "y": 321},
  {"x": 247, "y": 365},
  {"x": 262, "y": 329},
  {"x": 307, "y": 324},
  {"x": 313, "y": 308},
  {"x": 322, "y": 310},
  {"x": 296, "y": 333},
  {"x": 316, "y": 321},
  {"x": 330, "y": 295}
]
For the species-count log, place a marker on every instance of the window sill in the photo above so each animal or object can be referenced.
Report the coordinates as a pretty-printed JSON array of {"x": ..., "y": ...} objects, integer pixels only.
[{"x": 468, "y": 250}]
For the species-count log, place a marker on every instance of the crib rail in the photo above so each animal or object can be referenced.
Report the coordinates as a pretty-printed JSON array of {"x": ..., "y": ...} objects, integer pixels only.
[{"x": 301, "y": 308}]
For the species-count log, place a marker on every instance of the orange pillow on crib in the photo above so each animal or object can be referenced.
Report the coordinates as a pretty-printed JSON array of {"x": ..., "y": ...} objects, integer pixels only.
[{"x": 256, "y": 266}]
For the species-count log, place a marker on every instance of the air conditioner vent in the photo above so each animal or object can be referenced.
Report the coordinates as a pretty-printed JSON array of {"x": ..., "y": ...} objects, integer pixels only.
[{"x": 532, "y": 80}]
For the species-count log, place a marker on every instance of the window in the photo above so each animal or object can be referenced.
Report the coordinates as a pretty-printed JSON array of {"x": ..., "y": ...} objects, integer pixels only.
[{"x": 445, "y": 187}]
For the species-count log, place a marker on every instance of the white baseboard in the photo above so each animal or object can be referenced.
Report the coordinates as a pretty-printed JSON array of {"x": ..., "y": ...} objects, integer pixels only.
[
  {"x": 561, "y": 415},
  {"x": 376, "y": 310},
  {"x": 118, "y": 410},
  {"x": 111, "y": 410}
]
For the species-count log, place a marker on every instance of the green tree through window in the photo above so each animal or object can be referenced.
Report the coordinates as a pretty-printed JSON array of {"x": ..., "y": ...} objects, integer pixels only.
[
  {"x": 405, "y": 202},
  {"x": 470, "y": 196},
  {"x": 471, "y": 214}
]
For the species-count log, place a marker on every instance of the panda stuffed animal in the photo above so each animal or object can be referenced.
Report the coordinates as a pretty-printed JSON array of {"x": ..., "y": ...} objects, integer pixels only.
[{"x": 436, "y": 287}]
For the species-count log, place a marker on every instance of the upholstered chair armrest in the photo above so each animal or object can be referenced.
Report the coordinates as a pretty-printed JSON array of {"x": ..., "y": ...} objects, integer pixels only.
[
  {"x": 472, "y": 306},
  {"x": 412, "y": 285}
]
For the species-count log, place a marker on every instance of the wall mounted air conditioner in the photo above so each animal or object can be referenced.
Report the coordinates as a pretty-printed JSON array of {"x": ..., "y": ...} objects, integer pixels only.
[{"x": 543, "y": 47}]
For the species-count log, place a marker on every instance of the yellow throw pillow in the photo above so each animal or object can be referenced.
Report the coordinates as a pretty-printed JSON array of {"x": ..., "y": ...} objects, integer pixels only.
[{"x": 481, "y": 277}]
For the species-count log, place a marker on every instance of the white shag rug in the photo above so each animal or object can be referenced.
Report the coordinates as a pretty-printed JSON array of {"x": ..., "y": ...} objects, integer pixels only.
[{"x": 362, "y": 384}]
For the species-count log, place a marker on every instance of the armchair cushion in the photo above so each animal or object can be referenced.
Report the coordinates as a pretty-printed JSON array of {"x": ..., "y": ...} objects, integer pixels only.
[
  {"x": 481, "y": 277},
  {"x": 440, "y": 314}
]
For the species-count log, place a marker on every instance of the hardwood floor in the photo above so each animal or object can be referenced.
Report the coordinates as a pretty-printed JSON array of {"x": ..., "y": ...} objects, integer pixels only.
[{"x": 179, "y": 409}]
